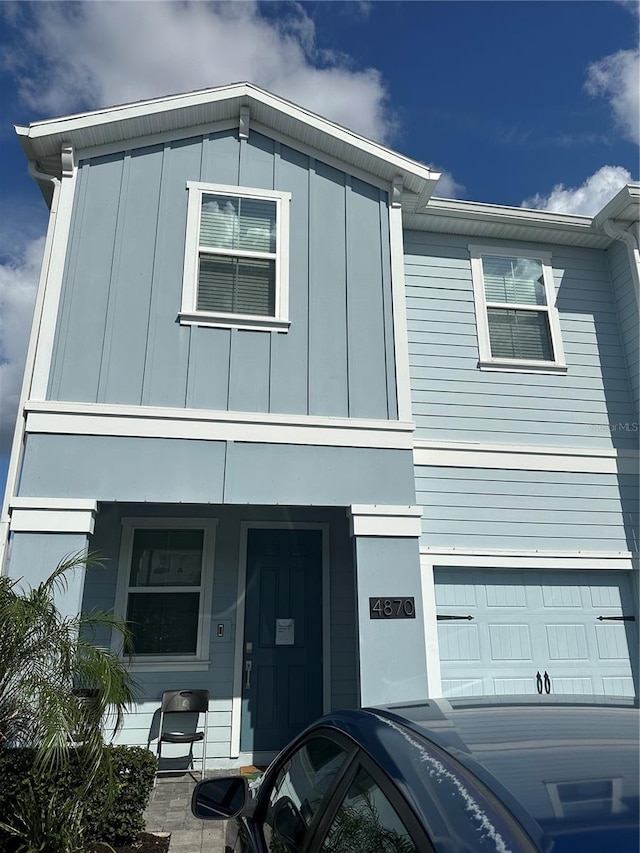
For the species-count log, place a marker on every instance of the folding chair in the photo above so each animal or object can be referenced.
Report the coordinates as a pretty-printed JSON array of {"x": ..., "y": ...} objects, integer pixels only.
[{"x": 190, "y": 703}]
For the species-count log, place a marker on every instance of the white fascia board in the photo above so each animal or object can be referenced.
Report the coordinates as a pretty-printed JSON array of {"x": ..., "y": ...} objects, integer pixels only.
[
  {"x": 163, "y": 114},
  {"x": 151, "y": 422},
  {"x": 506, "y": 213},
  {"x": 624, "y": 206},
  {"x": 132, "y": 110},
  {"x": 505, "y": 222}
]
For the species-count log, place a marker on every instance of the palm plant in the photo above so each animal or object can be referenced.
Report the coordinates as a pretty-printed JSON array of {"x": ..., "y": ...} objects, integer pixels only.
[{"x": 57, "y": 686}]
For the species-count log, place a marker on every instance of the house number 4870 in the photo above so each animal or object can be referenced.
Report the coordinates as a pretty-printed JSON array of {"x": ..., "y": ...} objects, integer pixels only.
[{"x": 392, "y": 608}]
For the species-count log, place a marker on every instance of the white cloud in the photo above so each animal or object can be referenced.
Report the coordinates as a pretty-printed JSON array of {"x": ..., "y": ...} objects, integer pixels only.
[
  {"x": 587, "y": 199},
  {"x": 92, "y": 54},
  {"x": 631, "y": 6},
  {"x": 18, "y": 283},
  {"x": 617, "y": 77}
]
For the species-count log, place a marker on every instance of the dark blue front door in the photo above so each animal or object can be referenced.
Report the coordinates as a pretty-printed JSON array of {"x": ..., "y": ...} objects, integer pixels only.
[{"x": 282, "y": 668}]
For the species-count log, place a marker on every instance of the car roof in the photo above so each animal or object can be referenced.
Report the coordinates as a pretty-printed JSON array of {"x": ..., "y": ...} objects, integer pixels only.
[
  {"x": 566, "y": 767},
  {"x": 570, "y": 763}
]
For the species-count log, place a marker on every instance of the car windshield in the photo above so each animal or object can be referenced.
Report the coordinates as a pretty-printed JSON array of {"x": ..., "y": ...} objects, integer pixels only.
[{"x": 574, "y": 768}]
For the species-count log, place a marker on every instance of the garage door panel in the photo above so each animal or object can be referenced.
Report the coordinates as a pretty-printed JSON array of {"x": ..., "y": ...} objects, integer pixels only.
[
  {"x": 506, "y": 595},
  {"x": 580, "y": 686},
  {"x": 618, "y": 686},
  {"x": 561, "y": 596},
  {"x": 612, "y": 642},
  {"x": 510, "y": 642},
  {"x": 567, "y": 642},
  {"x": 509, "y": 686},
  {"x": 462, "y": 687},
  {"x": 456, "y": 595},
  {"x": 606, "y": 595},
  {"x": 458, "y": 642}
]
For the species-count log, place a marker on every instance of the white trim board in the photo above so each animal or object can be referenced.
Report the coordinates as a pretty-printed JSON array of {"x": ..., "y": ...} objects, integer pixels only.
[
  {"x": 400, "y": 327},
  {"x": 38, "y": 359},
  {"x": 149, "y": 422},
  {"x": 525, "y": 458},
  {"x": 385, "y": 520},
  {"x": 52, "y": 515},
  {"x": 236, "y": 706},
  {"x": 543, "y": 560},
  {"x": 52, "y": 521}
]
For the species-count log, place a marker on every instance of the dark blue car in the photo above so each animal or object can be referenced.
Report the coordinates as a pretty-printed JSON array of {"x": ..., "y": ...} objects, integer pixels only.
[{"x": 467, "y": 775}]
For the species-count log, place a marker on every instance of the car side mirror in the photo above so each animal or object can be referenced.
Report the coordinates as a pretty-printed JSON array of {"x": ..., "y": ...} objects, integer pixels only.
[{"x": 220, "y": 799}]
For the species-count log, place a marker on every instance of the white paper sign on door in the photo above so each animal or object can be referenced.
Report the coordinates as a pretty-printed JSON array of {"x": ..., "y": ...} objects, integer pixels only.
[{"x": 285, "y": 632}]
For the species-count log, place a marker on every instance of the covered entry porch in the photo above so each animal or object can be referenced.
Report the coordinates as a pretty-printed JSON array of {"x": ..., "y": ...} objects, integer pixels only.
[{"x": 267, "y": 608}]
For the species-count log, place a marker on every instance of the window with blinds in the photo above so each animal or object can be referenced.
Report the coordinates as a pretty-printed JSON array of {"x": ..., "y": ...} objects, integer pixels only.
[
  {"x": 515, "y": 309},
  {"x": 237, "y": 255},
  {"x": 236, "y": 265}
]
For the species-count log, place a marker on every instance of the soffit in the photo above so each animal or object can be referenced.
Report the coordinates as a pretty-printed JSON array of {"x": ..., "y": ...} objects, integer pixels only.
[
  {"x": 42, "y": 141},
  {"x": 498, "y": 222}
]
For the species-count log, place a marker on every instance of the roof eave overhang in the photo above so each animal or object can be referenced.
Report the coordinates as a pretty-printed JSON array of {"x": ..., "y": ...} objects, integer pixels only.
[
  {"x": 623, "y": 209},
  {"x": 474, "y": 219},
  {"x": 42, "y": 140}
]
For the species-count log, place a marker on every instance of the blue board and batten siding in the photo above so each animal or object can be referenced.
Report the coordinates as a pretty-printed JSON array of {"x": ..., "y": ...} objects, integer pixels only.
[
  {"x": 118, "y": 340},
  {"x": 454, "y": 401}
]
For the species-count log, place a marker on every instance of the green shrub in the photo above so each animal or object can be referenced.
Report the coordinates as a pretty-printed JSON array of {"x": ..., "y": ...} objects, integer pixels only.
[
  {"x": 59, "y": 805},
  {"x": 121, "y": 821}
]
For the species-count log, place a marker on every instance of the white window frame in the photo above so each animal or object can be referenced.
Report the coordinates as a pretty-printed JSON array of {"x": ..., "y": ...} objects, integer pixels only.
[
  {"x": 189, "y": 315},
  {"x": 168, "y": 662},
  {"x": 487, "y": 361}
]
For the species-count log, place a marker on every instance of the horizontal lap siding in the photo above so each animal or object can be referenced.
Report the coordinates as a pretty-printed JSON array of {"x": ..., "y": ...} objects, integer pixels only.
[
  {"x": 627, "y": 307},
  {"x": 545, "y": 510},
  {"x": 453, "y": 400},
  {"x": 118, "y": 339}
]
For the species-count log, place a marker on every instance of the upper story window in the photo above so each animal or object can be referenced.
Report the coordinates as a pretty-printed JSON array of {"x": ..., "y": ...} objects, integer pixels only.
[
  {"x": 236, "y": 265},
  {"x": 518, "y": 326}
]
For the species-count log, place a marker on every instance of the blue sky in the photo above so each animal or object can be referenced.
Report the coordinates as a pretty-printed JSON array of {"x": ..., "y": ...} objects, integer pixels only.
[{"x": 517, "y": 102}]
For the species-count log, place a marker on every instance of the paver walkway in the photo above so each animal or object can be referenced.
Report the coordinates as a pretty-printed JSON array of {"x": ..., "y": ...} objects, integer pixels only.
[{"x": 169, "y": 810}]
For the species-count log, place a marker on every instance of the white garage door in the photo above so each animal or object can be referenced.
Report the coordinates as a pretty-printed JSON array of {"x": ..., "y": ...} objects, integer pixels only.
[{"x": 504, "y": 632}]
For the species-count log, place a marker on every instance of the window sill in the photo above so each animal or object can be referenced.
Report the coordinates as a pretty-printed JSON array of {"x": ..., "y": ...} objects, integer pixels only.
[
  {"x": 233, "y": 321},
  {"x": 168, "y": 665},
  {"x": 507, "y": 366}
]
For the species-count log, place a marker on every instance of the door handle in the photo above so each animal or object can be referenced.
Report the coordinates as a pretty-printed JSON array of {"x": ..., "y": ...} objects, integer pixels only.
[
  {"x": 247, "y": 674},
  {"x": 539, "y": 682},
  {"x": 547, "y": 683}
]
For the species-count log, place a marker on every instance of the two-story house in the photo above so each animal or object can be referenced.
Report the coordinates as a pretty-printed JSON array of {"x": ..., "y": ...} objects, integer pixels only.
[{"x": 338, "y": 441}]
